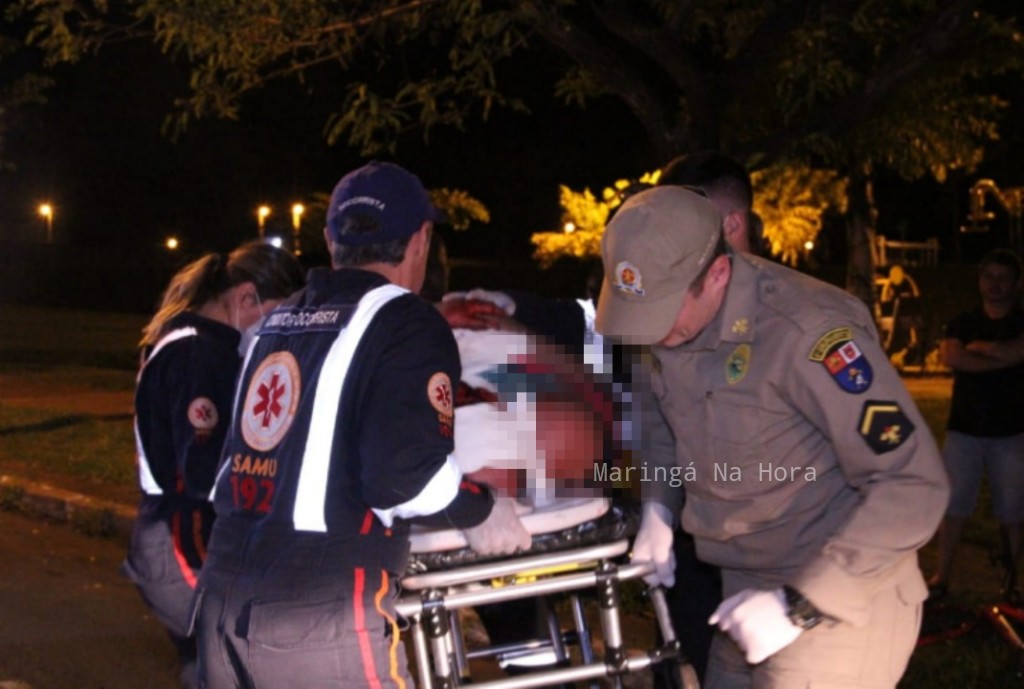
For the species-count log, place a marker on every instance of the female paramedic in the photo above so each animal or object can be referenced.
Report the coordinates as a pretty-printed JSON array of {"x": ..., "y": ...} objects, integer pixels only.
[{"x": 191, "y": 354}]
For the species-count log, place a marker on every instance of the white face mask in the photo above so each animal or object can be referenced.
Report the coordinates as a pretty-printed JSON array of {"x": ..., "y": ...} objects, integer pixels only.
[{"x": 249, "y": 334}]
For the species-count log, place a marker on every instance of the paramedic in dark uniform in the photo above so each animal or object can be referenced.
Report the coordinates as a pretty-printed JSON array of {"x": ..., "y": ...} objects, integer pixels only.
[
  {"x": 341, "y": 436},
  {"x": 182, "y": 408},
  {"x": 811, "y": 478}
]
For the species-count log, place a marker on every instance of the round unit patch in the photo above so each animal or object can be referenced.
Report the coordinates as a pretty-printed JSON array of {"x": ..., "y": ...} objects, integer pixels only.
[
  {"x": 628, "y": 278},
  {"x": 737, "y": 364},
  {"x": 439, "y": 392},
  {"x": 202, "y": 414},
  {"x": 271, "y": 401}
]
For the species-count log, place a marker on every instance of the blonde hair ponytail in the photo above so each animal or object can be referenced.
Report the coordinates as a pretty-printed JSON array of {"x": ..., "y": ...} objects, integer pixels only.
[
  {"x": 190, "y": 287},
  {"x": 275, "y": 272}
]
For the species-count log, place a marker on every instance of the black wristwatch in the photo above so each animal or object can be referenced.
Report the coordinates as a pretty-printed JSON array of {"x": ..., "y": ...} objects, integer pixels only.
[{"x": 801, "y": 611}]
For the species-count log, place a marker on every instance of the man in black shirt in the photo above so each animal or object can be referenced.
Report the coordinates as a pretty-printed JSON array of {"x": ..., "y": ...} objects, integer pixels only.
[{"x": 985, "y": 432}]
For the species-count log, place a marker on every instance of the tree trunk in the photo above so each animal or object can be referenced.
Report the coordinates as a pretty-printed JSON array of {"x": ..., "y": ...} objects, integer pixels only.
[{"x": 860, "y": 239}]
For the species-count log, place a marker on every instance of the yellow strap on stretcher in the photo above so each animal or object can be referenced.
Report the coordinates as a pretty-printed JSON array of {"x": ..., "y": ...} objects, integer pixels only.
[{"x": 531, "y": 575}]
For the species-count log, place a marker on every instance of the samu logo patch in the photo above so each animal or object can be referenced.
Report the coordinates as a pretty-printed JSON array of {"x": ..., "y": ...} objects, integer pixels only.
[{"x": 270, "y": 403}]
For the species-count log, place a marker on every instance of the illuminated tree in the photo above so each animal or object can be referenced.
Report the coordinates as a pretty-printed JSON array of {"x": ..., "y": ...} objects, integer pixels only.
[
  {"x": 459, "y": 207},
  {"x": 791, "y": 200},
  {"x": 583, "y": 219}
]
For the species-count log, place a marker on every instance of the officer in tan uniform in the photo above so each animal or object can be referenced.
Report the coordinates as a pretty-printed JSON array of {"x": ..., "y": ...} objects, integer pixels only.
[{"x": 810, "y": 476}]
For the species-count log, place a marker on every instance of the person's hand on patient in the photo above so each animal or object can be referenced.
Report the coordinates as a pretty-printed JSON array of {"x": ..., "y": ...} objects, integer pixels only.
[{"x": 501, "y": 533}]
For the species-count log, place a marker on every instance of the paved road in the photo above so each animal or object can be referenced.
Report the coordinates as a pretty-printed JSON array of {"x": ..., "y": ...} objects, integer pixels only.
[{"x": 68, "y": 619}]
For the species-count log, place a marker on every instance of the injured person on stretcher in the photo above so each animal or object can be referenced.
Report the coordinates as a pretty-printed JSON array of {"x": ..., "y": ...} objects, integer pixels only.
[{"x": 533, "y": 422}]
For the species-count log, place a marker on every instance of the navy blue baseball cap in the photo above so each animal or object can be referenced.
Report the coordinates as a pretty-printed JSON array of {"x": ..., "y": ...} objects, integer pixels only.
[{"x": 391, "y": 194}]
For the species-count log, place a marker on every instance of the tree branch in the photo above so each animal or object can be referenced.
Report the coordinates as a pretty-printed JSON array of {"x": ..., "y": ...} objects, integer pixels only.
[
  {"x": 617, "y": 77},
  {"x": 660, "y": 44},
  {"x": 934, "y": 39}
]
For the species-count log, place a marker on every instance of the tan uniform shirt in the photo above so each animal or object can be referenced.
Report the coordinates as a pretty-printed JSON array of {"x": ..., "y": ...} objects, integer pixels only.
[{"x": 805, "y": 454}]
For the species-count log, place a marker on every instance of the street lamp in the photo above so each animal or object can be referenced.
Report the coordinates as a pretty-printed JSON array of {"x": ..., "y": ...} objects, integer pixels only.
[
  {"x": 171, "y": 243},
  {"x": 297, "y": 210},
  {"x": 46, "y": 210},
  {"x": 261, "y": 215}
]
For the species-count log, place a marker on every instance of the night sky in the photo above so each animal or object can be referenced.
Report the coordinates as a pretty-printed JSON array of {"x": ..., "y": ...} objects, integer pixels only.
[{"x": 96, "y": 151}]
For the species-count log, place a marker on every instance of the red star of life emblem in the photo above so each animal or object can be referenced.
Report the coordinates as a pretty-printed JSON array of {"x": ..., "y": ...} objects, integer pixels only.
[
  {"x": 271, "y": 401},
  {"x": 269, "y": 405},
  {"x": 439, "y": 392},
  {"x": 443, "y": 395},
  {"x": 203, "y": 413}
]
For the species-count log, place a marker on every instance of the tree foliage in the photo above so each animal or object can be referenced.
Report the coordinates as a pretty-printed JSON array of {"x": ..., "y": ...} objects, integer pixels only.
[
  {"x": 460, "y": 208},
  {"x": 18, "y": 90},
  {"x": 584, "y": 217},
  {"x": 790, "y": 198},
  {"x": 847, "y": 85},
  {"x": 852, "y": 82}
]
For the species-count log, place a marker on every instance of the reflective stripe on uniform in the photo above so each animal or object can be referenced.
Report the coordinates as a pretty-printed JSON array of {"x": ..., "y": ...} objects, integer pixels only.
[
  {"x": 146, "y": 480},
  {"x": 365, "y": 644},
  {"x": 441, "y": 489},
  {"x": 311, "y": 494}
]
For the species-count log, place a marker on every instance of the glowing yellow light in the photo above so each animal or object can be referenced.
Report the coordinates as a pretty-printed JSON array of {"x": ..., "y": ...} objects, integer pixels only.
[
  {"x": 809, "y": 245},
  {"x": 46, "y": 211},
  {"x": 261, "y": 215},
  {"x": 171, "y": 243},
  {"x": 297, "y": 210},
  {"x": 569, "y": 227}
]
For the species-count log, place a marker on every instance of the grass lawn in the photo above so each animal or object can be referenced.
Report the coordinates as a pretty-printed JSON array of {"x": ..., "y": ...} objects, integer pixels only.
[{"x": 66, "y": 380}]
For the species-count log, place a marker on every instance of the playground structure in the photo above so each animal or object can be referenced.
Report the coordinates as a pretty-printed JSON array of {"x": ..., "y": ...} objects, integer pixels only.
[{"x": 1012, "y": 201}]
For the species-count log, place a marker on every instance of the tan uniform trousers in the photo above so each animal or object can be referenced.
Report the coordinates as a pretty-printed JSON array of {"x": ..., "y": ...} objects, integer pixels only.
[{"x": 832, "y": 655}]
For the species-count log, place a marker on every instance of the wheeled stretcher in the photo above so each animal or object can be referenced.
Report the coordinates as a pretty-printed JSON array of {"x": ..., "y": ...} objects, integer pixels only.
[{"x": 580, "y": 548}]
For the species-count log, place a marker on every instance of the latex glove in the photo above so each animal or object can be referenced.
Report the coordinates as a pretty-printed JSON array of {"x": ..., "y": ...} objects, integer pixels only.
[
  {"x": 499, "y": 299},
  {"x": 501, "y": 533},
  {"x": 653, "y": 543},
  {"x": 757, "y": 622}
]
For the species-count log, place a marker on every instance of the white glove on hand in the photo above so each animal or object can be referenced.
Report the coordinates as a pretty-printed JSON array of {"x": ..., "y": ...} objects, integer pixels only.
[
  {"x": 653, "y": 543},
  {"x": 499, "y": 299},
  {"x": 501, "y": 533},
  {"x": 757, "y": 622}
]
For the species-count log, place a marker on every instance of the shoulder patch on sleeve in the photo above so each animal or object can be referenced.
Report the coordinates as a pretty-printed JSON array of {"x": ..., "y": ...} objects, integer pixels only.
[
  {"x": 441, "y": 398},
  {"x": 202, "y": 414},
  {"x": 822, "y": 347},
  {"x": 843, "y": 360},
  {"x": 439, "y": 392},
  {"x": 884, "y": 426}
]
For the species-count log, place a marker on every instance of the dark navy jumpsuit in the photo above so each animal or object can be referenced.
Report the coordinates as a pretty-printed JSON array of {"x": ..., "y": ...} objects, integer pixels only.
[
  {"x": 340, "y": 436},
  {"x": 182, "y": 409}
]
